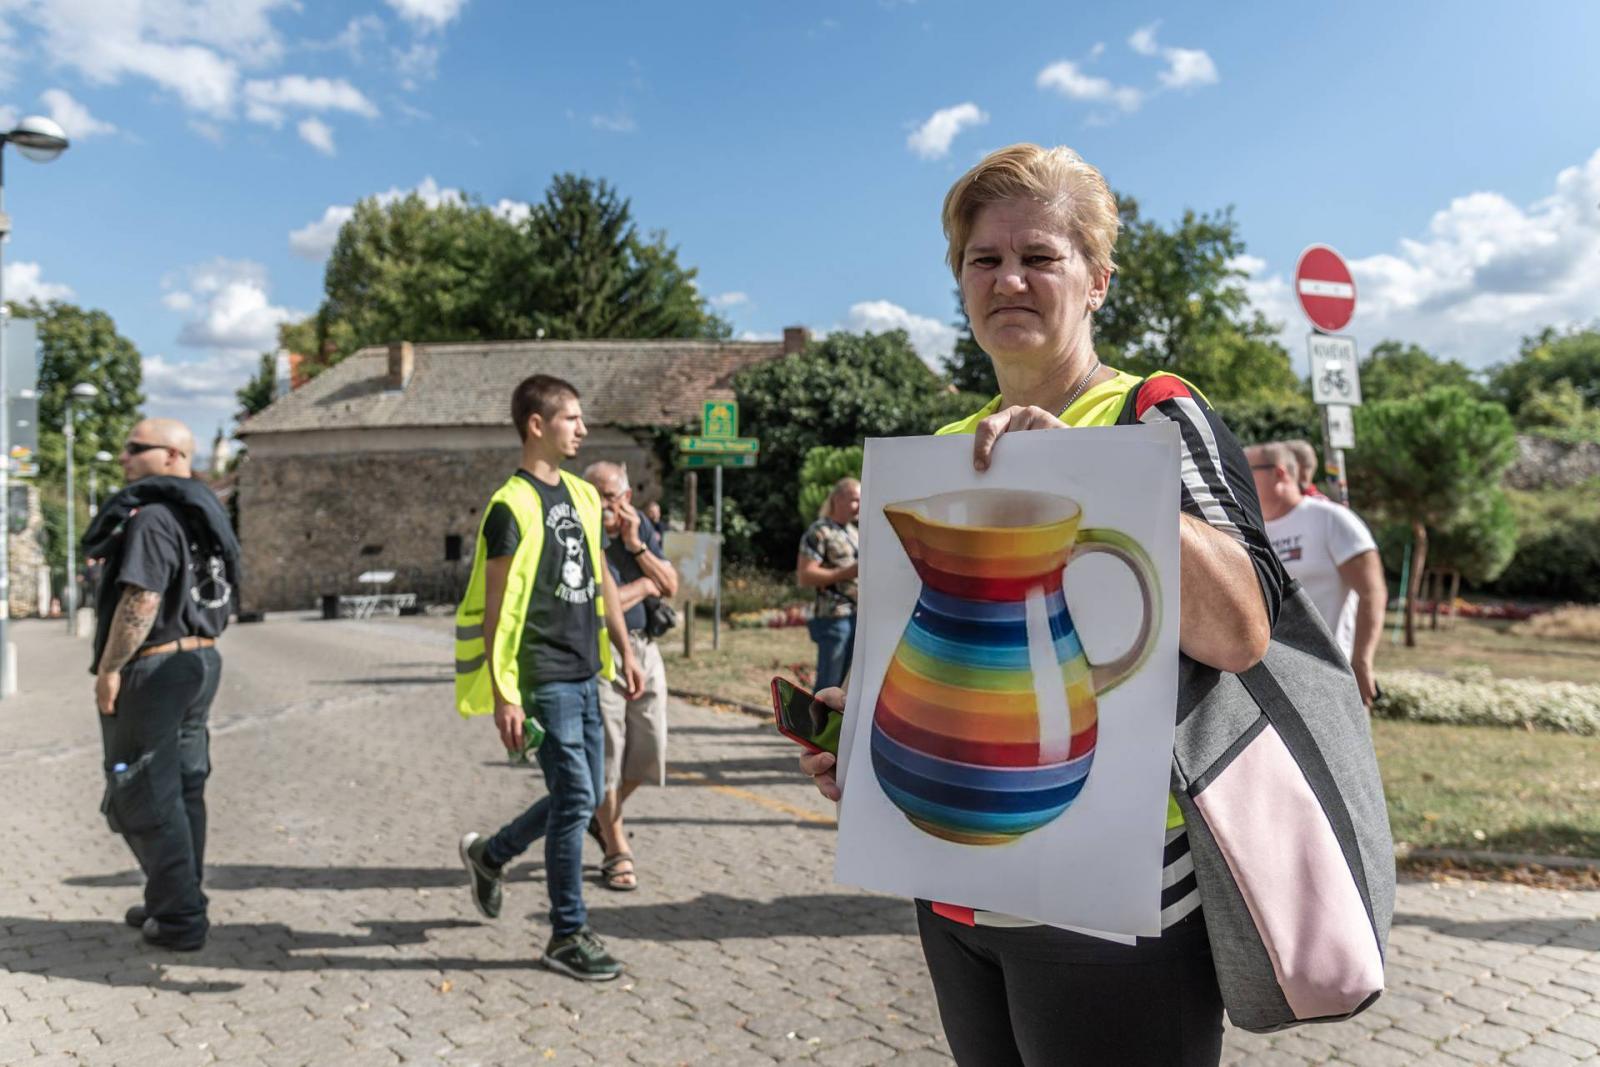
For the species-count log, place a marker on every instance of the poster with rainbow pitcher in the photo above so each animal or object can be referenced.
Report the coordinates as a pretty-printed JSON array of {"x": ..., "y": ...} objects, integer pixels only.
[{"x": 1008, "y": 727}]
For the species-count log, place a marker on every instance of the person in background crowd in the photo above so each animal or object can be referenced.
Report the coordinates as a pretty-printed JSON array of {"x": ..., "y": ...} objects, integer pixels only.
[
  {"x": 1305, "y": 458},
  {"x": 652, "y": 511},
  {"x": 1330, "y": 551},
  {"x": 828, "y": 564},
  {"x": 1030, "y": 233},
  {"x": 543, "y": 657},
  {"x": 169, "y": 581},
  {"x": 636, "y": 727}
]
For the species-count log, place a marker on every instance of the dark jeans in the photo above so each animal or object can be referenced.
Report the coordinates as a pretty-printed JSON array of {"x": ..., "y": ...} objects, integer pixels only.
[
  {"x": 1037, "y": 996},
  {"x": 158, "y": 802},
  {"x": 836, "y": 640},
  {"x": 572, "y": 757}
]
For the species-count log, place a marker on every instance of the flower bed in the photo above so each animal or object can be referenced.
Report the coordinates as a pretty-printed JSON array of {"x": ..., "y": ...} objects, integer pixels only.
[
  {"x": 1477, "y": 698},
  {"x": 771, "y": 618}
]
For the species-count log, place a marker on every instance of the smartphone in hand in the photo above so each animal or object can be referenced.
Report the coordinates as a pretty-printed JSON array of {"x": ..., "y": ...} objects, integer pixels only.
[{"x": 804, "y": 719}]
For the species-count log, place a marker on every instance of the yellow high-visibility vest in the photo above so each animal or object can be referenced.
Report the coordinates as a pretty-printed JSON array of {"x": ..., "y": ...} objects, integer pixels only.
[
  {"x": 1098, "y": 406},
  {"x": 474, "y": 693}
]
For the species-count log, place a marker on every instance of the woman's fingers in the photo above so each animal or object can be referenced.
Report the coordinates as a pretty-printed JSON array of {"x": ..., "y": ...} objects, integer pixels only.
[
  {"x": 1008, "y": 421},
  {"x": 833, "y": 697}
]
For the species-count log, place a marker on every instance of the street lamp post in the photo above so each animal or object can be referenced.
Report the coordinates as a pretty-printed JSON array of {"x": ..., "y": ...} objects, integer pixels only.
[
  {"x": 100, "y": 457},
  {"x": 40, "y": 140},
  {"x": 81, "y": 391}
]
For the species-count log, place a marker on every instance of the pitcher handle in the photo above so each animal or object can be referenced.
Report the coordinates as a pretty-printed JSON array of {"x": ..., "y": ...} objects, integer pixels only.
[{"x": 1107, "y": 676}]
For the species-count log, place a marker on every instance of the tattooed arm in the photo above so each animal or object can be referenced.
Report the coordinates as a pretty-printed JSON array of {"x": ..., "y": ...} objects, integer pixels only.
[{"x": 135, "y": 615}]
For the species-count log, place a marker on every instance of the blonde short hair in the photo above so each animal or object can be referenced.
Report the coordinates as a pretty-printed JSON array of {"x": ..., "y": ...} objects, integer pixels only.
[
  {"x": 1279, "y": 454},
  {"x": 1072, "y": 190},
  {"x": 1306, "y": 457}
]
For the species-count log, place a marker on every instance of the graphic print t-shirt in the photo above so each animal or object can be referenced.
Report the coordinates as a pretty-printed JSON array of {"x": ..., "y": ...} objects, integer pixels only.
[
  {"x": 561, "y": 635},
  {"x": 1313, "y": 541},
  {"x": 158, "y": 555}
]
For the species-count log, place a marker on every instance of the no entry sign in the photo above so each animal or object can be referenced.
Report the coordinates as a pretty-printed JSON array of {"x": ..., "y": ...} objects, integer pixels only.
[{"x": 1326, "y": 291}]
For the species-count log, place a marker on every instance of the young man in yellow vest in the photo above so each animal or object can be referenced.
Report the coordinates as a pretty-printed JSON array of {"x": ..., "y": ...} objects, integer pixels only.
[{"x": 534, "y": 636}]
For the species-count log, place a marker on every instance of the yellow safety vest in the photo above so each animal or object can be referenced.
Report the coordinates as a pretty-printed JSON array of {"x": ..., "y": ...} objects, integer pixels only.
[
  {"x": 474, "y": 694},
  {"x": 1098, "y": 406}
]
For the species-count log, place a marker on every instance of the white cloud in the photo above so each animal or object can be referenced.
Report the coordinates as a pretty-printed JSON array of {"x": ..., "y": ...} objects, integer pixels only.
[
  {"x": 932, "y": 139},
  {"x": 315, "y": 239},
  {"x": 194, "y": 49},
  {"x": 932, "y": 339},
  {"x": 1187, "y": 68},
  {"x": 724, "y": 301},
  {"x": 73, "y": 117},
  {"x": 762, "y": 335},
  {"x": 8, "y": 114},
  {"x": 428, "y": 14},
  {"x": 24, "y": 282},
  {"x": 620, "y": 122},
  {"x": 230, "y": 307},
  {"x": 1065, "y": 78},
  {"x": 318, "y": 135},
  {"x": 208, "y": 382},
  {"x": 266, "y": 100},
  {"x": 1487, "y": 273}
]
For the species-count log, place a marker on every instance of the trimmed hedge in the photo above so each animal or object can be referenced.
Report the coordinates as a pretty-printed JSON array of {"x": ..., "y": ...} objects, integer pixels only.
[{"x": 1474, "y": 697}]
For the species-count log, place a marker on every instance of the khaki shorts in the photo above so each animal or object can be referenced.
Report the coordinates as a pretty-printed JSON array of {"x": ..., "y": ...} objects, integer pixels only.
[{"x": 636, "y": 730}]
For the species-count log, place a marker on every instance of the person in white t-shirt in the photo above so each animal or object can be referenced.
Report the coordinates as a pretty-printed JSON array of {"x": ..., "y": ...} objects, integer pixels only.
[{"x": 1329, "y": 551}]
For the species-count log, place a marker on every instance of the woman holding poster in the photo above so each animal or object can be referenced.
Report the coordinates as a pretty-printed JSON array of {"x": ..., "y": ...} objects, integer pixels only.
[{"x": 1031, "y": 233}]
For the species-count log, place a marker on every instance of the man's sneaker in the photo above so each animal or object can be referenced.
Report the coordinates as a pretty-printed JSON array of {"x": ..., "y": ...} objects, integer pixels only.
[
  {"x": 484, "y": 879},
  {"x": 136, "y": 916},
  {"x": 581, "y": 955},
  {"x": 185, "y": 942}
]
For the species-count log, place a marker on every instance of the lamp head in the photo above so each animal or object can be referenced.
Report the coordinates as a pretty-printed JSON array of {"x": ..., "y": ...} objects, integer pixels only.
[
  {"x": 84, "y": 391},
  {"x": 39, "y": 138}
]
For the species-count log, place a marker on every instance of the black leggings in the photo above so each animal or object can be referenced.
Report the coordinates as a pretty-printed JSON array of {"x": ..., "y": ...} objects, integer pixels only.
[{"x": 1039, "y": 996}]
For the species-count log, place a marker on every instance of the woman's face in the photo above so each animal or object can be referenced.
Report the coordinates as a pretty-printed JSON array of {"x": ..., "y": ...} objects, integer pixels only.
[{"x": 1027, "y": 289}]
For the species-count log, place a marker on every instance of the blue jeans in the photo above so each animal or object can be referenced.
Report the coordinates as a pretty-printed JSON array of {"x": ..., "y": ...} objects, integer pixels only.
[
  {"x": 836, "y": 639},
  {"x": 158, "y": 802},
  {"x": 572, "y": 757}
]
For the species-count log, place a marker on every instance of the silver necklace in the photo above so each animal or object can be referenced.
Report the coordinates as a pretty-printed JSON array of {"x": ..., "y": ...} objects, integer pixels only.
[{"x": 1082, "y": 385}]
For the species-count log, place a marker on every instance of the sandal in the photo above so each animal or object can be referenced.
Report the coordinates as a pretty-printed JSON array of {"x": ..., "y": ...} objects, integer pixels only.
[{"x": 614, "y": 876}]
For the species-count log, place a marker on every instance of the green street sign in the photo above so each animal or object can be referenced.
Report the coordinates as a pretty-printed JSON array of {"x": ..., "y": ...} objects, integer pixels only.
[
  {"x": 715, "y": 459},
  {"x": 719, "y": 418},
  {"x": 720, "y": 445}
]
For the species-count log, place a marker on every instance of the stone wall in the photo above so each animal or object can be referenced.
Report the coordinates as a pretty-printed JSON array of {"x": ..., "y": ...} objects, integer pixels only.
[
  {"x": 309, "y": 524},
  {"x": 1546, "y": 464},
  {"x": 28, "y": 561}
]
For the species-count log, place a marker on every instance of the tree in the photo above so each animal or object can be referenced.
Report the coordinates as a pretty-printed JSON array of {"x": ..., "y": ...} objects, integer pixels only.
[
  {"x": 1426, "y": 461},
  {"x": 1545, "y": 360},
  {"x": 78, "y": 345},
  {"x": 839, "y": 392},
  {"x": 1393, "y": 371},
  {"x": 255, "y": 394},
  {"x": 456, "y": 270},
  {"x": 967, "y": 366}
]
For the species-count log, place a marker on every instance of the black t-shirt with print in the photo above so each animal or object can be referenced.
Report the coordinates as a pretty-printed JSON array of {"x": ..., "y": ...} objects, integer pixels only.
[
  {"x": 158, "y": 555},
  {"x": 561, "y": 633}
]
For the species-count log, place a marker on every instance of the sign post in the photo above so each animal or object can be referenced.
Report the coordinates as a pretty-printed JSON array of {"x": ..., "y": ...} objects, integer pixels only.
[
  {"x": 1327, "y": 294},
  {"x": 719, "y": 445}
]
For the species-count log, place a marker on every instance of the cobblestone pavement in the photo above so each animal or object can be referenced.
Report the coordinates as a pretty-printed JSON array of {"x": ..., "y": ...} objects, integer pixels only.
[{"x": 343, "y": 933}]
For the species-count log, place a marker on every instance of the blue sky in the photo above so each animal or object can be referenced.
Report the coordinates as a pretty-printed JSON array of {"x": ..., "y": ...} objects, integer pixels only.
[{"x": 797, "y": 154}]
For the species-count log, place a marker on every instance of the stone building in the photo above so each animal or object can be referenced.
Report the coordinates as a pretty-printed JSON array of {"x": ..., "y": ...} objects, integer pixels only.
[{"x": 384, "y": 461}]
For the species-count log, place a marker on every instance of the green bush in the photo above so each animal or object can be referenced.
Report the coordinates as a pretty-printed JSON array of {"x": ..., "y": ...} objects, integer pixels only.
[
  {"x": 750, "y": 588},
  {"x": 1477, "y": 698},
  {"x": 1558, "y": 545},
  {"x": 1259, "y": 420}
]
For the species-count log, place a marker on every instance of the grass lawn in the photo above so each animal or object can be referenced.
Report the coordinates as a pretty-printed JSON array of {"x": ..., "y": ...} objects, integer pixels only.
[
  {"x": 1523, "y": 792},
  {"x": 1491, "y": 643}
]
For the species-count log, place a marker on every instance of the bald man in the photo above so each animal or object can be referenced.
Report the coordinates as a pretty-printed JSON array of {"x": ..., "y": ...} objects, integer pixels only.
[{"x": 170, "y": 575}]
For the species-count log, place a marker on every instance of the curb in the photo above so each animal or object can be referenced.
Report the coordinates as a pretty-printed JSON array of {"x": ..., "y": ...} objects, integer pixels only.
[
  {"x": 1497, "y": 859},
  {"x": 694, "y": 697},
  {"x": 1402, "y": 852}
]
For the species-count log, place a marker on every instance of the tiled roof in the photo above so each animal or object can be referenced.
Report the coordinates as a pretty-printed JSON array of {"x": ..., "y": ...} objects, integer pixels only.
[{"x": 622, "y": 383}]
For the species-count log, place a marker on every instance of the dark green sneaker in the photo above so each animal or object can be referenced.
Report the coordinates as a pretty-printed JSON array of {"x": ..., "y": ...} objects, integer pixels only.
[
  {"x": 581, "y": 955},
  {"x": 484, "y": 879}
]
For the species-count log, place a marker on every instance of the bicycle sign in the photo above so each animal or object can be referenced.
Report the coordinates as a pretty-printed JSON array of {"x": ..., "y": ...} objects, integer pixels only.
[{"x": 1335, "y": 378}]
